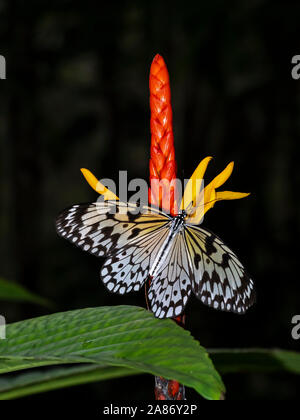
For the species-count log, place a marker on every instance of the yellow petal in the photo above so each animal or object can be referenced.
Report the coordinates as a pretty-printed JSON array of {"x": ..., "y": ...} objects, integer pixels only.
[
  {"x": 222, "y": 195},
  {"x": 193, "y": 187},
  {"x": 210, "y": 196},
  {"x": 97, "y": 186},
  {"x": 230, "y": 195},
  {"x": 209, "y": 193},
  {"x": 223, "y": 176},
  {"x": 210, "y": 199}
]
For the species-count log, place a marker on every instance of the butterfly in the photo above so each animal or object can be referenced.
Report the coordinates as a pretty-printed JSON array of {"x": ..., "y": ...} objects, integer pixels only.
[{"x": 142, "y": 242}]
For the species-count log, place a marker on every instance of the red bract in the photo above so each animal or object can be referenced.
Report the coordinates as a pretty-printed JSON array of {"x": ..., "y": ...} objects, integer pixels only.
[{"x": 162, "y": 164}]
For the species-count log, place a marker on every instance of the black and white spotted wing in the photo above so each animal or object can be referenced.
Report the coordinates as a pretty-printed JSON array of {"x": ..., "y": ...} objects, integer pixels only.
[
  {"x": 128, "y": 268},
  {"x": 178, "y": 257},
  {"x": 220, "y": 280},
  {"x": 103, "y": 227},
  {"x": 170, "y": 289},
  {"x": 129, "y": 241}
]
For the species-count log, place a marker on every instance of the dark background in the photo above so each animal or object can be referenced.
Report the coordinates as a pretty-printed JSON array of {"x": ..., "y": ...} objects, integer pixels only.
[{"x": 76, "y": 95}]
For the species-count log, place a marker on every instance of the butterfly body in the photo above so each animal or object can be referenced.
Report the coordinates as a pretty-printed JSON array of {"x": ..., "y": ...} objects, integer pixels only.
[{"x": 180, "y": 258}]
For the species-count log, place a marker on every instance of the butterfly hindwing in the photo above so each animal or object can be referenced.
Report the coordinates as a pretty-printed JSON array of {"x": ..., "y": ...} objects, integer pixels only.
[
  {"x": 171, "y": 288},
  {"x": 128, "y": 269},
  {"x": 220, "y": 279}
]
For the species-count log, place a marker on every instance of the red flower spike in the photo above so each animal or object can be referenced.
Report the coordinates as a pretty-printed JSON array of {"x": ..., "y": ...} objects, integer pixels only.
[
  {"x": 162, "y": 162},
  {"x": 162, "y": 166}
]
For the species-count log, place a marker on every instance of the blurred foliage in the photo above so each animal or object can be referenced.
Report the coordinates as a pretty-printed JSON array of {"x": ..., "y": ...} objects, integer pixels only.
[
  {"x": 76, "y": 95},
  {"x": 10, "y": 291}
]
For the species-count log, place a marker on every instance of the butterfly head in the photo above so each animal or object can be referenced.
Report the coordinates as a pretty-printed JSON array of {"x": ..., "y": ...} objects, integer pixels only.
[
  {"x": 182, "y": 214},
  {"x": 179, "y": 220}
]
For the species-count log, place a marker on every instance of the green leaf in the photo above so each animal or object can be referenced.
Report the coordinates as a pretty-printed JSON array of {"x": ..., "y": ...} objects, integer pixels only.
[
  {"x": 227, "y": 361},
  {"x": 256, "y": 360},
  {"x": 124, "y": 336},
  {"x": 37, "y": 381},
  {"x": 11, "y": 291}
]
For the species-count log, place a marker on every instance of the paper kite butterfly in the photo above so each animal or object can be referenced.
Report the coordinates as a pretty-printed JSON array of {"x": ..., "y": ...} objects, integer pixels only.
[{"x": 176, "y": 255}]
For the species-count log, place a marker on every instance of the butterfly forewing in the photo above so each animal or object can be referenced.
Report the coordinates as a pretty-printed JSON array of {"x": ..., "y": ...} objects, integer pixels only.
[{"x": 102, "y": 227}]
